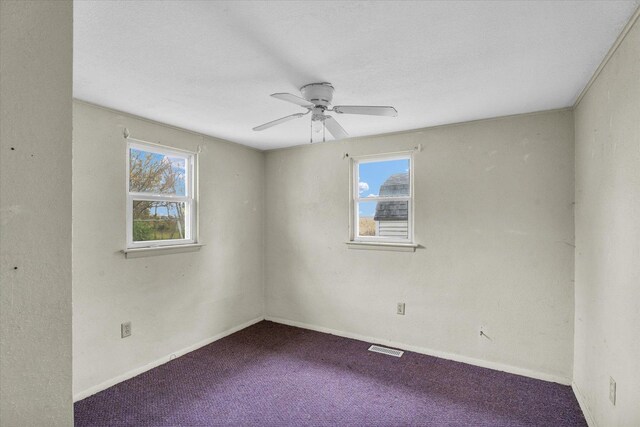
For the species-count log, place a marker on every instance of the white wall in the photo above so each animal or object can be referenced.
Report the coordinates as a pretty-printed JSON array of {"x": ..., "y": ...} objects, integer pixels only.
[
  {"x": 607, "y": 318},
  {"x": 494, "y": 212},
  {"x": 35, "y": 206},
  {"x": 174, "y": 301}
]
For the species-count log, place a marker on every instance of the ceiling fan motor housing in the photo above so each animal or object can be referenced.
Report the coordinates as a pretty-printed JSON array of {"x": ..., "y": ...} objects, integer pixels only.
[{"x": 320, "y": 94}]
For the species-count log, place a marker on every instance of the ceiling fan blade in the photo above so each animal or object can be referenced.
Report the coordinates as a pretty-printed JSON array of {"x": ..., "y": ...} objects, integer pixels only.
[
  {"x": 334, "y": 128},
  {"x": 278, "y": 121},
  {"x": 294, "y": 99},
  {"x": 364, "y": 109}
]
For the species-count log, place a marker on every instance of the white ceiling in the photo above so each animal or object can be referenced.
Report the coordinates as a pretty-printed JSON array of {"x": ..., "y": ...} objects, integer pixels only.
[{"x": 210, "y": 66}]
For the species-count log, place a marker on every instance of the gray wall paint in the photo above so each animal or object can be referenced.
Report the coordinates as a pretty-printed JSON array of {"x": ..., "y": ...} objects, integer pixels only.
[
  {"x": 494, "y": 212},
  {"x": 174, "y": 301},
  {"x": 607, "y": 322},
  {"x": 35, "y": 205}
]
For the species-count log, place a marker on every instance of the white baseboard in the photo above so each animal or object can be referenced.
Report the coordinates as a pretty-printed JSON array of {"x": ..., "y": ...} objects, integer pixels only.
[
  {"x": 444, "y": 355},
  {"x": 430, "y": 352},
  {"x": 137, "y": 371},
  {"x": 591, "y": 422}
]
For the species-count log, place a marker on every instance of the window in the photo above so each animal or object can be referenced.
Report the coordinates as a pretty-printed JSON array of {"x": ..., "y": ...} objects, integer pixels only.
[
  {"x": 382, "y": 199},
  {"x": 161, "y": 205}
]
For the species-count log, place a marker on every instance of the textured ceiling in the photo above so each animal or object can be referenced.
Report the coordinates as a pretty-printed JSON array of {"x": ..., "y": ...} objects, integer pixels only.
[{"x": 210, "y": 66}]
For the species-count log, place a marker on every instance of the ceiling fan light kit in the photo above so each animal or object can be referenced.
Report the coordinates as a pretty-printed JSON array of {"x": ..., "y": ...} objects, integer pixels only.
[{"x": 317, "y": 99}]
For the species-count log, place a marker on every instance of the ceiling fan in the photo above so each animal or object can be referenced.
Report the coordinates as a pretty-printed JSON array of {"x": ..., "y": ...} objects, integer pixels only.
[{"x": 316, "y": 98}]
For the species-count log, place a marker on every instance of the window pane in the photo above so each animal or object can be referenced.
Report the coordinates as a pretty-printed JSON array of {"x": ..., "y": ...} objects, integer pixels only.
[
  {"x": 386, "y": 178},
  {"x": 156, "y": 173},
  {"x": 158, "y": 220},
  {"x": 384, "y": 219}
]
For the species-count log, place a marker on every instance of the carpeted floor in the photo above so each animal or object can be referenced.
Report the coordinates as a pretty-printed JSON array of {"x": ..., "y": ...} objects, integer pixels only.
[{"x": 275, "y": 375}]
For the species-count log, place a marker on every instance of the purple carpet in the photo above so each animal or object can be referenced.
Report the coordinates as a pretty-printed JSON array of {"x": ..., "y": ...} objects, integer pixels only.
[{"x": 275, "y": 375}]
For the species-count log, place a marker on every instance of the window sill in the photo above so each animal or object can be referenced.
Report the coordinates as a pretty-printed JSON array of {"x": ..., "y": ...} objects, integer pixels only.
[
  {"x": 383, "y": 246},
  {"x": 161, "y": 250}
]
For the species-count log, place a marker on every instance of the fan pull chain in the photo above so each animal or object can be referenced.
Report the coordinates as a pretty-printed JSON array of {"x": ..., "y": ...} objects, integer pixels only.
[
  {"x": 311, "y": 132},
  {"x": 323, "y": 140}
]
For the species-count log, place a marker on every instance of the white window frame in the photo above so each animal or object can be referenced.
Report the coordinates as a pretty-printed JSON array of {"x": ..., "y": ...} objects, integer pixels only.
[
  {"x": 190, "y": 199},
  {"x": 355, "y": 198}
]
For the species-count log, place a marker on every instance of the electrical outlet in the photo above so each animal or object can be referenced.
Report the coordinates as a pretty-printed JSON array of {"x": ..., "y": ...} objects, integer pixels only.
[
  {"x": 125, "y": 329},
  {"x": 612, "y": 390},
  {"x": 400, "y": 309}
]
